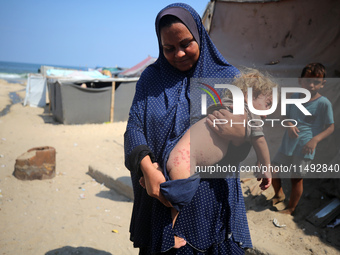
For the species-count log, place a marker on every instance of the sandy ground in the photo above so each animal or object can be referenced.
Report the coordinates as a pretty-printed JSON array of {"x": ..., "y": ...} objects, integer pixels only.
[{"x": 51, "y": 217}]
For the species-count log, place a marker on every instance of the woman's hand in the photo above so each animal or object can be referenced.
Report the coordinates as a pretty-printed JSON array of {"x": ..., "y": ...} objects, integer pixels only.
[
  {"x": 227, "y": 125},
  {"x": 153, "y": 177}
]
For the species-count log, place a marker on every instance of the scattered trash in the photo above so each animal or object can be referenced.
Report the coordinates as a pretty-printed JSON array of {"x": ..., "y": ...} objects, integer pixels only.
[
  {"x": 0, "y": 193},
  {"x": 276, "y": 223},
  {"x": 325, "y": 214},
  {"x": 75, "y": 144},
  {"x": 82, "y": 196},
  {"x": 1, "y": 156},
  {"x": 107, "y": 210},
  {"x": 3, "y": 165},
  {"x": 336, "y": 222},
  {"x": 3, "y": 139},
  {"x": 114, "y": 231}
]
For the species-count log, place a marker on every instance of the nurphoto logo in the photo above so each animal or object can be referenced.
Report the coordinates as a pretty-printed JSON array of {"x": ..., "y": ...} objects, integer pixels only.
[{"x": 238, "y": 103}]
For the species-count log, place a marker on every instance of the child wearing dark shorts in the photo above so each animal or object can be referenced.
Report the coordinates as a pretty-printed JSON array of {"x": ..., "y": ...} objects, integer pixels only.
[{"x": 299, "y": 142}]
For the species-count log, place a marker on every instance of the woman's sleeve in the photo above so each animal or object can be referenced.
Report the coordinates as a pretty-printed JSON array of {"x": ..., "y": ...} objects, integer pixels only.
[{"x": 135, "y": 144}]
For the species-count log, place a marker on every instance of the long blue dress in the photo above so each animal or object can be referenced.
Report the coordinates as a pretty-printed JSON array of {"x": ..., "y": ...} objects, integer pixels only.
[{"x": 214, "y": 221}]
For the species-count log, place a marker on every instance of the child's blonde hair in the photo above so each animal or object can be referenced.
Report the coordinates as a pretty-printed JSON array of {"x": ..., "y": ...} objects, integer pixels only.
[{"x": 261, "y": 84}]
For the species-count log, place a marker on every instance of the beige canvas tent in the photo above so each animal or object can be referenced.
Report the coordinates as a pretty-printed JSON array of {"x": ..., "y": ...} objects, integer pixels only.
[
  {"x": 281, "y": 37},
  {"x": 276, "y": 35}
]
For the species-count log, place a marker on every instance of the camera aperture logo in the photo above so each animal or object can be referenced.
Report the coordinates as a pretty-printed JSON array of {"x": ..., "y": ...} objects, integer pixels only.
[
  {"x": 205, "y": 96},
  {"x": 238, "y": 104}
]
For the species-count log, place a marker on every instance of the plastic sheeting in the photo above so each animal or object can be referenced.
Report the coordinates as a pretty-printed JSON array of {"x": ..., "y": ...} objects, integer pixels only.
[
  {"x": 35, "y": 91},
  {"x": 279, "y": 37},
  {"x": 136, "y": 70},
  {"x": 73, "y": 104},
  {"x": 76, "y": 74}
]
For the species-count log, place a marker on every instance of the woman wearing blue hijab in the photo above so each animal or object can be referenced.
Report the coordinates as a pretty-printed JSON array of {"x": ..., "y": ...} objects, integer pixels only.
[{"x": 214, "y": 220}]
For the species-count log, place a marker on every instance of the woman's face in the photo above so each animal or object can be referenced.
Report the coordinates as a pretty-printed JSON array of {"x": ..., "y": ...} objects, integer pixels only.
[{"x": 179, "y": 46}]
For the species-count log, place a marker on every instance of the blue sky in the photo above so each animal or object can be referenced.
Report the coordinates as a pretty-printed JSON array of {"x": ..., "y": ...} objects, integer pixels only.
[{"x": 81, "y": 32}]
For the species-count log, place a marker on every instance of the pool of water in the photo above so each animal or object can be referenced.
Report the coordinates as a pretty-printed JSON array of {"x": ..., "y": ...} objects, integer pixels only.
[{"x": 15, "y": 99}]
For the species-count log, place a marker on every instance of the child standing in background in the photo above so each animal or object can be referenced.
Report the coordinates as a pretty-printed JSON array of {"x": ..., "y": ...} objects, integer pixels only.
[{"x": 299, "y": 142}]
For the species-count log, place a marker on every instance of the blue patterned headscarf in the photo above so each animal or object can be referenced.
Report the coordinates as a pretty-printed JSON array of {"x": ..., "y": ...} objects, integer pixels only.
[
  {"x": 162, "y": 99},
  {"x": 211, "y": 64}
]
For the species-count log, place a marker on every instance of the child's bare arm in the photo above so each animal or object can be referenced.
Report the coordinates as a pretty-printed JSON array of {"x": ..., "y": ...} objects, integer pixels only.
[
  {"x": 311, "y": 145},
  {"x": 293, "y": 131},
  {"x": 261, "y": 148}
]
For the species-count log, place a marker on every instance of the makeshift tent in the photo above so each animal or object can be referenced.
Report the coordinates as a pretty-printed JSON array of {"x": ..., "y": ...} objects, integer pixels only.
[
  {"x": 75, "y": 74},
  {"x": 278, "y": 36},
  {"x": 37, "y": 83},
  {"x": 79, "y": 101},
  {"x": 281, "y": 37},
  {"x": 113, "y": 70},
  {"x": 35, "y": 91},
  {"x": 136, "y": 70},
  {"x": 43, "y": 69}
]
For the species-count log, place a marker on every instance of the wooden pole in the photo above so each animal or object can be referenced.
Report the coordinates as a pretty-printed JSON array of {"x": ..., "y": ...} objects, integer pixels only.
[{"x": 112, "y": 101}]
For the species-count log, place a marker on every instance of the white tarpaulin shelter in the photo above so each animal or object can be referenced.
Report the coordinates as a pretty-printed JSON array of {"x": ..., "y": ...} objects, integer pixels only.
[
  {"x": 35, "y": 90},
  {"x": 280, "y": 36},
  {"x": 37, "y": 83}
]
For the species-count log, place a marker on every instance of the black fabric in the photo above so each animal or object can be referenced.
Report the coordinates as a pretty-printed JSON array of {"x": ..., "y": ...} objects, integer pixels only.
[{"x": 132, "y": 162}]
